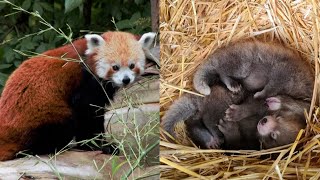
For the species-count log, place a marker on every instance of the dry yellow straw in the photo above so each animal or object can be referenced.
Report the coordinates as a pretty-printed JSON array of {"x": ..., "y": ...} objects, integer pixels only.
[{"x": 190, "y": 31}]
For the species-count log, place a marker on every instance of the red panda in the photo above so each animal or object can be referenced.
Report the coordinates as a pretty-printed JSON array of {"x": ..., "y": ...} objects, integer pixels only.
[{"x": 44, "y": 101}]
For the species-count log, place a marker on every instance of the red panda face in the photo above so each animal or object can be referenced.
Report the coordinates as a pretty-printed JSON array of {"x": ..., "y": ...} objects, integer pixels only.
[{"x": 117, "y": 56}]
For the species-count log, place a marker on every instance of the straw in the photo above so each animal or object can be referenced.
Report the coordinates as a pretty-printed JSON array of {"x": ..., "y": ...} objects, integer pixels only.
[{"x": 190, "y": 31}]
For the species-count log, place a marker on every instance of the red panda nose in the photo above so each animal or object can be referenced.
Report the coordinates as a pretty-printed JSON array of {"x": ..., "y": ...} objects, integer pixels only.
[{"x": 126, "y": 80}]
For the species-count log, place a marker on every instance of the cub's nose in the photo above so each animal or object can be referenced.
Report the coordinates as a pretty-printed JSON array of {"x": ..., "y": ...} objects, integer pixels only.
[
  {"x": 263, "y": 121},
  {"x": 126, "y": 80}
]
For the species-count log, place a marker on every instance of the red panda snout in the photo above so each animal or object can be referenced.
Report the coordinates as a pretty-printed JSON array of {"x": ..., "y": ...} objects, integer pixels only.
[{"x": 123, "y": 76}]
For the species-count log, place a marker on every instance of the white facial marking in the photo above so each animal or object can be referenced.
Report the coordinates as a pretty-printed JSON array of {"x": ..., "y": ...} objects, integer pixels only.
[
  {"x": 102, "y": 68},
  {"x": 122, "y": 73},
  {"x": 140, "y": 64}
]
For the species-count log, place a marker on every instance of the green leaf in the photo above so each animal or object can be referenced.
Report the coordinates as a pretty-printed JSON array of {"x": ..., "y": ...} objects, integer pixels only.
[
  {"x": 114, "y": 163},
  {"x": 28, "y": 44},
  {"x": 115, "y": 166},
  {"x": 2, "y": 6},
  {"x": 17, "y": 63},
  {"x": 138, "y": 1},
  {"x": 3, "y": 78},
  {"x": 37, "y": 7},
  {"x": 38, "y": 38},
  {"x": 5, "y": 66},
  {"x": 49, "y": 36},
  {"x": 9, "y": 55},
  {"x": 26, "y": 4},
  {"x": 1, "y": 54},
  {"x": 46, "y": 6},
  {"x": 41, "y": 48},
  {"x": 124, "y": 24},
  {"x": 135, "y": 17},
  {"x": 71, "y": 4}
]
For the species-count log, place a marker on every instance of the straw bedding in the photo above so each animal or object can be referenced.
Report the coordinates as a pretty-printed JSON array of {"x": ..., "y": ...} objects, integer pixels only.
[{"x": 190, "y": 31}]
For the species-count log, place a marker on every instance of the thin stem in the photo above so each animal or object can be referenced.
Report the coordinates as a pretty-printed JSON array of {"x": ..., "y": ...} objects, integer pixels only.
[{"x": 140, "y": 158}]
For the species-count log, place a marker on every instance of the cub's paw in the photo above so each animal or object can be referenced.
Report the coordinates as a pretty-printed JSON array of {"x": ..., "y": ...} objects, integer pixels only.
[
  {"x": 260, "y": 95},
  {"x": 214, "y": 142},
  {"x": 234, "y": 86},
  {"x": 233, "y": 113},
  {"x": 225, "y": 126}
]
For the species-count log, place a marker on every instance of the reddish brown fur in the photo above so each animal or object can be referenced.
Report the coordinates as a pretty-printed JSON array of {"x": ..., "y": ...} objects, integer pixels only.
[
  {"x": 136, "y": 70},
  {"x": 43, "y": 85},
  {"x": 90, "y": 60},
  {"x": 121, "y": 42},
  {"x": 124, "y": 63},
  {"x": 38, "y": 92},
  {"x": 109, "y": 74}
]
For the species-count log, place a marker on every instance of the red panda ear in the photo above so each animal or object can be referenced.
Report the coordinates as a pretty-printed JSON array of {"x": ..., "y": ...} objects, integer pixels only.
[
  {"x": 147, "y": 40},
  {"x": 93, "y": 41},
  {"x": 151, "y": 51}
]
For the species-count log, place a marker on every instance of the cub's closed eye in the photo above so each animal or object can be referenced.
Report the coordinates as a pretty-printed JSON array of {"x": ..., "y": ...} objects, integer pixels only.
[
  {"x": 115, "y": 67},
  {"x": 274, "y": 135},
  {"x": 131, "y": 66}
]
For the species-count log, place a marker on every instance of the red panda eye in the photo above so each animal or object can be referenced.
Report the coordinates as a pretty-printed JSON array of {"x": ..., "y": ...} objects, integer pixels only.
[
  {"x": 115, "y": 67},
  {"x": 131, "y": 66}
]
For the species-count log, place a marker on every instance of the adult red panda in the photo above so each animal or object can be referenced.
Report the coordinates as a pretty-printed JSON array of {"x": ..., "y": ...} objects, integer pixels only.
[{"x": 46, "y": 101}]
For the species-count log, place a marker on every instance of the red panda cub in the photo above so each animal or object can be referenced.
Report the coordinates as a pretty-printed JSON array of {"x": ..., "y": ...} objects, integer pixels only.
[{"x": 47, "y": 101}]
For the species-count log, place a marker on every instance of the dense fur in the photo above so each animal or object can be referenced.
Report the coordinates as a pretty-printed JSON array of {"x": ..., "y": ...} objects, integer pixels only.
[
  {"x": 35, "y": 98},
  {"x": 46, "y": 101},
  {"x": 88, "y": 102},
  {"x": 282, "y": 127},
  {"x": 284, "y": 119},
  {"x": 202, "y": 115},
  {"x": 263, "y": 68},
  {"x": 239, "y": 125},
  {"x": 216, "y": 122},
  {"x": 213, "y": 109}
]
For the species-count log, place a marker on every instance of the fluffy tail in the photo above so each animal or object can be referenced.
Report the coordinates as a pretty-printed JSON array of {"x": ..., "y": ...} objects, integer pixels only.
[
  {"x": 205, "y": 76},
  {"x": 181, "y": 110}
]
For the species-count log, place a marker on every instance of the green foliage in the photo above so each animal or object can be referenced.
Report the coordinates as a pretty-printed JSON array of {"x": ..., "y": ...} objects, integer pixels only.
[
  {"x": 71, "y": 5},
  {"x": 20, "y": 31}
]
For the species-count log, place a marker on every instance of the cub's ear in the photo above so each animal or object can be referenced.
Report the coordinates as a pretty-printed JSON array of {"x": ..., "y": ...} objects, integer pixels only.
[
  {"x": 93, "y": 41},
  {"x": 274, "y": 103},
  {"x": 147, "y": 40}
]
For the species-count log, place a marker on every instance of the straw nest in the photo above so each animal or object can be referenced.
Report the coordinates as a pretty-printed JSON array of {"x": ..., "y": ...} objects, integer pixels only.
[{"x": 190, "y": 31}]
